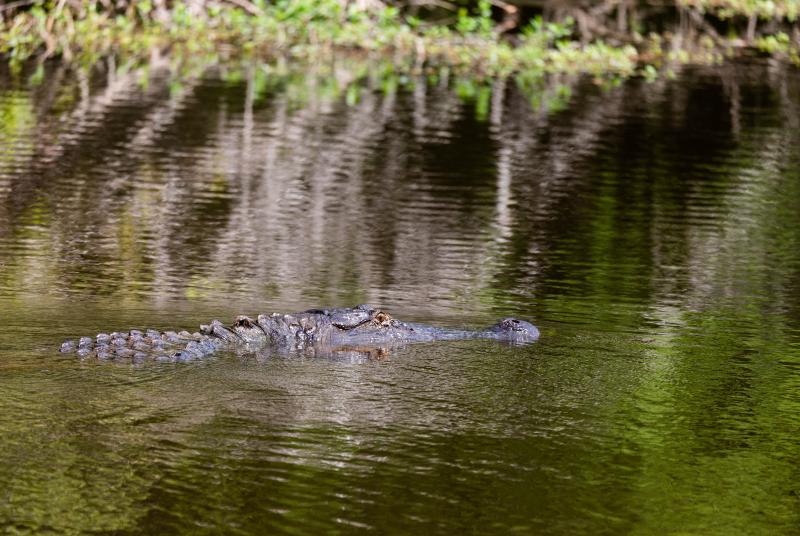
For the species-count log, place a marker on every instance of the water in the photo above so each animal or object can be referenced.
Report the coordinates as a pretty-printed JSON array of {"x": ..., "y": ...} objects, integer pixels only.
[{"x": 652, "y": 231}]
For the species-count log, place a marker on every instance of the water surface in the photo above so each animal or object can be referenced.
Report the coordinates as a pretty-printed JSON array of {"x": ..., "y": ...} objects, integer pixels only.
[{"x": 652, "y": 231}]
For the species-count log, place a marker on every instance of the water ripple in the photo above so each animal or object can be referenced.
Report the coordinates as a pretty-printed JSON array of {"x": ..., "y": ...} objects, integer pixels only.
[{"x": 649, "y": 229}]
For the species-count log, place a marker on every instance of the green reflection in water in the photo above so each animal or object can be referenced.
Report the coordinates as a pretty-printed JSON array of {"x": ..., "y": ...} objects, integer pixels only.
[{"x": 651, "y": 230}]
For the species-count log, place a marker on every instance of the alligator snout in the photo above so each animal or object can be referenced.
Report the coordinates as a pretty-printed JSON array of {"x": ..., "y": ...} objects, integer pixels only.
[{"x": 516, "y": 329}]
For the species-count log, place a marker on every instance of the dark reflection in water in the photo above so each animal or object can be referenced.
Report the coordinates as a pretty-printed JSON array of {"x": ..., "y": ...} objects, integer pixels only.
[{"x": 651, "y": 230}]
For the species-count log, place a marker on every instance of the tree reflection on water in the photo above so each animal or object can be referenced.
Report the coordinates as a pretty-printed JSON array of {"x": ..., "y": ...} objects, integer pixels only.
[{"x": 651, "y": 229}]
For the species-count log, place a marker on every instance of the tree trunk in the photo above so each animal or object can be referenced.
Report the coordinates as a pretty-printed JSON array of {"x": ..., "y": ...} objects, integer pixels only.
[{"x": 751, "y": 29}]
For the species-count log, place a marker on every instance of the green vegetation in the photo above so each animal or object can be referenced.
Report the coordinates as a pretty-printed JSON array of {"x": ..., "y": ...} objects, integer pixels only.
[
  {"x": 613, "y": 38},
  {"x": 304, "y": 29},
  {"x": 772, "y": 15},
  {"x": 762, "y": 9}
]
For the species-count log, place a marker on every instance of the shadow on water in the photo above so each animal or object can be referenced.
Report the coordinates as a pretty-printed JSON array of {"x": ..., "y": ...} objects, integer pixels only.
[{"x": 651, "y": 230}]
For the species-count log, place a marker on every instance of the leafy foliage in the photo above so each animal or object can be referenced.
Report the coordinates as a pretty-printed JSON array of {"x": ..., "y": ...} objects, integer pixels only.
[{"x": 471, "y": 41}]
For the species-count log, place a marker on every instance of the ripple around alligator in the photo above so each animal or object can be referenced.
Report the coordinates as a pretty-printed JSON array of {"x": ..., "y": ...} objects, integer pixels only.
[{"x": 651, "y": 230}]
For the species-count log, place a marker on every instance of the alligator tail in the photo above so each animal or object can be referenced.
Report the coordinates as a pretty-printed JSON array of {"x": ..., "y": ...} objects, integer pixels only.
[{"x": 146, "y": 345}]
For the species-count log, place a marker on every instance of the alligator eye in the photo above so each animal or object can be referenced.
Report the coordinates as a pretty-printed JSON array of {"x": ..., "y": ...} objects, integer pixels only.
[
  {"x": 382, "y": 319},
  {"x": 513, "y": 324}
]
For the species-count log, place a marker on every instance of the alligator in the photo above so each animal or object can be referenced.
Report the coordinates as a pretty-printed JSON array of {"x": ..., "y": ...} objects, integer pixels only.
[{"x": 356, "y": 327}]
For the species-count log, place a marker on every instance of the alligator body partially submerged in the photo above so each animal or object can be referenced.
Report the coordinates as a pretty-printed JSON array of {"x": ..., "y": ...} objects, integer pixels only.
[{"x": 316, "y": 329}]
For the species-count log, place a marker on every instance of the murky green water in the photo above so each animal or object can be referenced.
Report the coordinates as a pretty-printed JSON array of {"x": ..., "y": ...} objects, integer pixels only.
[{"x": 652, "y": 231}]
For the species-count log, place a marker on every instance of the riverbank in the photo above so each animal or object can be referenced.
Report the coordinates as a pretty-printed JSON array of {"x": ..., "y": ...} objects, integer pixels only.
[
  {"x": 306, "y": 31},
  {"x": 478, "y": 41}
]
